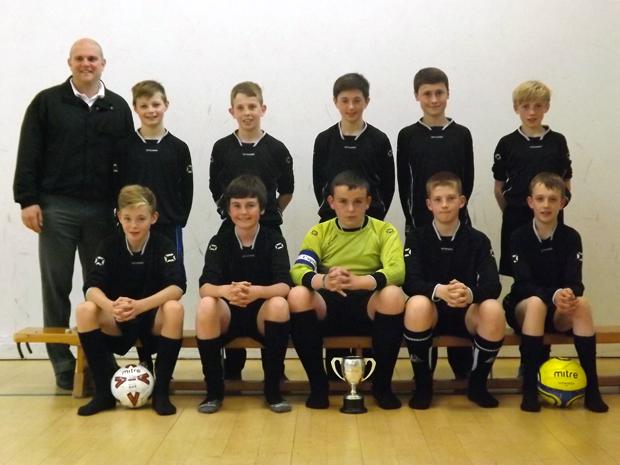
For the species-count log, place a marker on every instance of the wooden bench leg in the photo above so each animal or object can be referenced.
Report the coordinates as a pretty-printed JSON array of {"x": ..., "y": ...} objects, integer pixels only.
[{"x": 79, "y": 378}]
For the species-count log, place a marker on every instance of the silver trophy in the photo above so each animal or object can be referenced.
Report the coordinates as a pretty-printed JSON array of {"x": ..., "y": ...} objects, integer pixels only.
[{"x": 353, "y": 373}]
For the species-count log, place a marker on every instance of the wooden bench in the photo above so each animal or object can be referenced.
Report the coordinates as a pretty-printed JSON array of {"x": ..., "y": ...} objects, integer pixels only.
[{"x": 604, "y": 335}]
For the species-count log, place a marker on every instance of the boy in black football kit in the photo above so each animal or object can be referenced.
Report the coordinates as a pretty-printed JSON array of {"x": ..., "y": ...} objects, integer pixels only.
[
  {"x": 160, "y": 161},
  {"x": 353, "y": 144},
  {"x": 434, "y": 143},
  {"x": 452, "y": 278},
  {"x": 521, "y": 155},
  {"x": 250, "y": 150},
  {"x": 154, "y": 158},
  {"x": 132, "y": 292},
  {"x": 243, "y": 291},
  {"x": 547, "y": 294}
]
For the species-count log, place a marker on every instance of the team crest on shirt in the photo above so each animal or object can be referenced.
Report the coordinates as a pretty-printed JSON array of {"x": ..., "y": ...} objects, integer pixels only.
[
  {"x": 169, "y": 258},
  {"x": 314, "y": 232},
  {"x": 99, "y": 261},
  {"x": 279, "y": 246},
  {"x": 515, "y": 258},
  {"x": 390, "y": 154},
  {"x": 498, "y": 156},
  {"x": 189, "y": 169},
  {"x": 580, "y": 256},
  {"x": 389, "y": 231},
  {"x": 212, "y": 246},
  {"x": 407, "y": 252}
]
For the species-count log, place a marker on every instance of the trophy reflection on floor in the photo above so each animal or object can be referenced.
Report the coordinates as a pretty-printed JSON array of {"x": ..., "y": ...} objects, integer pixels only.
[{"x": 353, "y": 373}]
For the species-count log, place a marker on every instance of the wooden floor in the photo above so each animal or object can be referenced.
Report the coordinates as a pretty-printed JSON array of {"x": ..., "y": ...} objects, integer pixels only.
[{"x": 40, "y": 426}]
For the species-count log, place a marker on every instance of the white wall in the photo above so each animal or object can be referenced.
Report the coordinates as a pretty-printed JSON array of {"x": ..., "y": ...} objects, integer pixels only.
[{"x": 295, "y": 50}]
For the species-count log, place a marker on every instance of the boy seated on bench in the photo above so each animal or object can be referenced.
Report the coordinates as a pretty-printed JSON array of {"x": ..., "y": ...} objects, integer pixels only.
[
  {"x": 348, "y": 275},
  {"x": 133, "y": 293},
  {"x": 243, "y": 289},
  {"x": 453, "y": 282},
  {"x": 547, "y": 294}
]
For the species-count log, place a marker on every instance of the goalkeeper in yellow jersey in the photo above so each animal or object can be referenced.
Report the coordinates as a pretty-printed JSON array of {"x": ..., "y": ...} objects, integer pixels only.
[{"x": 348, "y": 276}]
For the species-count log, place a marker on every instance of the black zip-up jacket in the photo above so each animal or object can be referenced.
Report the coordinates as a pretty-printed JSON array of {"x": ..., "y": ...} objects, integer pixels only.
[{"x": 67, "y": 148}]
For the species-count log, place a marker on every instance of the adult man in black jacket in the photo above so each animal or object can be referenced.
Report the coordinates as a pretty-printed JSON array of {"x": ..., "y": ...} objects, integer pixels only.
[{"x": 63, "y": 181}]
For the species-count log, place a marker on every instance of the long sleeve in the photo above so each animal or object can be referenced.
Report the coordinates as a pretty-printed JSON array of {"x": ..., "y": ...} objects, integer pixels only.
[
  {"x": 26, "y": 183},
  {"x": 186, "y": 181},
  {"x": 404, "y": 177},
  {"x": 387, "y": 174},
  {"x": 319, "y": 161},
  {"x": 488, "y": 285}
]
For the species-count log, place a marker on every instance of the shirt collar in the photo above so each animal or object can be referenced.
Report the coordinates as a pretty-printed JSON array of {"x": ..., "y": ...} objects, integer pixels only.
[
  {"x": 158, "y": 140},
  {"x": 254, "y": 144},
  {"x": 356, "y": 136},
  {"x": 85, "y": 98},
  {"x": 450, "y": 121},
  {"x": 141, "y": 252},
  {"x": 528, "y": 138},
  {"x": 458, "y": 225},
  {"x": 253, "y": 241},
  {"x": 540, "y": 239}
]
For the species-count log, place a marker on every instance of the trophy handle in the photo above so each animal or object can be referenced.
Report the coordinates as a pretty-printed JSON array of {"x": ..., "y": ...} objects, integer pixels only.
[
  {"x": 339, "y": 360},
  {"x": 373, "y": 364}
]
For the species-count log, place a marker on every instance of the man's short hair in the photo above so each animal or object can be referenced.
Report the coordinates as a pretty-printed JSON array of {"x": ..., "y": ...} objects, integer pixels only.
[
  {"x": 249, "y": 88},
  {"x": 147, "y": 89},
  {"x": 350, "y": 179},
  {"x": 531, "y": 91},
  {"x": 134, "y": 195},
  {"x": 244, "y": 187},
  {"x": 429, "y": 76},
  {"x": 444, "y": 178},
  {"x": 551, "y": 181},
  {"x": 352, "y": 81}
]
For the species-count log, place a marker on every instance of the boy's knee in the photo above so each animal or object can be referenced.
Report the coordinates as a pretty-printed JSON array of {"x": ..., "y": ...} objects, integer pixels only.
[
  {"x": 277, "y": 309},
  {"x": 173, "y": 309},
  {"x": 300, "y": 298},
  {"x": 419, "y": 312},
  {"x": 392, "y": 298},
  {"x": 86, "y": 311},
  {"x": 491, "y": 310},
  {"x": 207, "y": 308}
]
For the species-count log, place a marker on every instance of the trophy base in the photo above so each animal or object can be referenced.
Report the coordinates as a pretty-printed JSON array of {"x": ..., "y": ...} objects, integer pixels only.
[{"x": 352, "y": 406}]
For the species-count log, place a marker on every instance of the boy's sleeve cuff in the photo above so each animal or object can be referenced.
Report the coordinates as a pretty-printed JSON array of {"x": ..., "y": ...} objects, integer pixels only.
[
  {"x": 434, "y": 297},
  {"x": 306, "y": 280},
  {"x": 380, "y": 279}
]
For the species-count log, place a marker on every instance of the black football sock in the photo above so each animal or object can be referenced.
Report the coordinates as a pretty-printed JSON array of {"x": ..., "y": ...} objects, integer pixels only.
[
  {"x": 97, "y": 354},
  {"x": 276, "y": 342},
  {"x": 211, "y": 357},
  {"x": 586, "y": 350},
  {"x": 387, "y": 335},
  {"x": 461, "y": 361},
  {"x": 234, "y": 363},
  {"x": 167, "y": 355},
  {"x": 308, "y": 341},
  {"x": 484, "y": 355},
  {"x": 145, "y": 357},
  {"x": 531, "y": 359},
  {"x": 420, "y": 345}
]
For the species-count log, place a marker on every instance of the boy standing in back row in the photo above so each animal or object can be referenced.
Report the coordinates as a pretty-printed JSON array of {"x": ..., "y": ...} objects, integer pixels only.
[
  {"x": 353, "y": 144},
  {"x": 433, "y": 144},
  {"x": 521, "y": 155},
  {"x": 250, "y": 150}
]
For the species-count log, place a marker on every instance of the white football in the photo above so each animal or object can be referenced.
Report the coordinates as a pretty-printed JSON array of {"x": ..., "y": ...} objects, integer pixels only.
[{"x": 132, "y": 385}]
